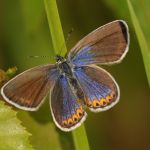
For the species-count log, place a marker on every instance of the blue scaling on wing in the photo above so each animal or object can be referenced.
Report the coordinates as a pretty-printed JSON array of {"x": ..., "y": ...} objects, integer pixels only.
[
  {"x": 70, "y": 103},
  {"x": 98, "y": 86},
  {"x": 94, "y": 90},
  {"x": 83, "y": 57},
  {"x": 53, "y": 74},
  {"x": 65, "y": 105}
]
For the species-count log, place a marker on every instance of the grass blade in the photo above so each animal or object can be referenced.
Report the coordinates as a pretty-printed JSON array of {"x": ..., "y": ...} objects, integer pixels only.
[
  {"x": 80, "y": 138},
  {"x": 79, "y": 135},
  {"x": 55, "y": 27},
  {"x": 142, "y": 40}
]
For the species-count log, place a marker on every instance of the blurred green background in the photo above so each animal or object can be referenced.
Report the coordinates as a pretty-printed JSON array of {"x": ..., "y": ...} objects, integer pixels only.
[{"x": 24, "y": 32}]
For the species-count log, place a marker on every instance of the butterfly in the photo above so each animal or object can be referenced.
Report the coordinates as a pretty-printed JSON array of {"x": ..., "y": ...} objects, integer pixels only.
[{"x": 75, "y": 82}]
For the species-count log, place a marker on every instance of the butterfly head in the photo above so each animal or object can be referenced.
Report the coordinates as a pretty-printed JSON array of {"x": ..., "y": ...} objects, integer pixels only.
[{"x": 59, "y": 58}]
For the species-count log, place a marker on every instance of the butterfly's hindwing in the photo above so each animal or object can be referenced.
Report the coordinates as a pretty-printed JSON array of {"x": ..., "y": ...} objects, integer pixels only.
[
  {"x": 100, "y": 89},
  {"x": 66, "y": 107}
]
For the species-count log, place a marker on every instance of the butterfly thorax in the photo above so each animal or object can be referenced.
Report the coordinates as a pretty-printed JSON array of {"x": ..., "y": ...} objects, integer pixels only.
[{"x": 63, "y": 66}]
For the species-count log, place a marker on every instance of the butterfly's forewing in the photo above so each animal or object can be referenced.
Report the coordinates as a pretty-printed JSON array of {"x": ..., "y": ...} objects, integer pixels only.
[
  {"x": 100, "y": 89},
  {"x": 28, "y": 89},
  {"x": 106, "y": 45},
  {"x": 66, "y": 107}
]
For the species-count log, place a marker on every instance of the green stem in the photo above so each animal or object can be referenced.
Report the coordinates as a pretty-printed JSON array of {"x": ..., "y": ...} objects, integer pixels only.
[
  {"x": 80, "y": 138},
  {"x": 142, "y": 41},
  {"x": 79, "y": 135},
  {"x": 55, "y": 27}
]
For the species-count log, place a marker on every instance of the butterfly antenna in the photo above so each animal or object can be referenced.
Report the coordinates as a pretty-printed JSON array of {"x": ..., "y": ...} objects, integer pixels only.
[
  {"x": 36, "y": 56},
  {"x": 67, "y": 39}
]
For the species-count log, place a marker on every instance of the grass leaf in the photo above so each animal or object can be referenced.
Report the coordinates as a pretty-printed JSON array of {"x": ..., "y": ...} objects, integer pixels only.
[
  {"x": 141, "y": 38},
  {"x": 80, "y": 141},
  {"x": 55, "y": 27}
]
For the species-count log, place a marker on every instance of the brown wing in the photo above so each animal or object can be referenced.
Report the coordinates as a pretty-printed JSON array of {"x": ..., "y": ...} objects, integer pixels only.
[
  {"x": 106, "y": 45},
  {"x": 28, "y": 89}
]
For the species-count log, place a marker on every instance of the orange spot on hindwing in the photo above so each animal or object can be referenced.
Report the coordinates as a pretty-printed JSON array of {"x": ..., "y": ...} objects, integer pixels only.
[
  {"x": 103, "y": 102},
  {"x": 74, "y": 118}
]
